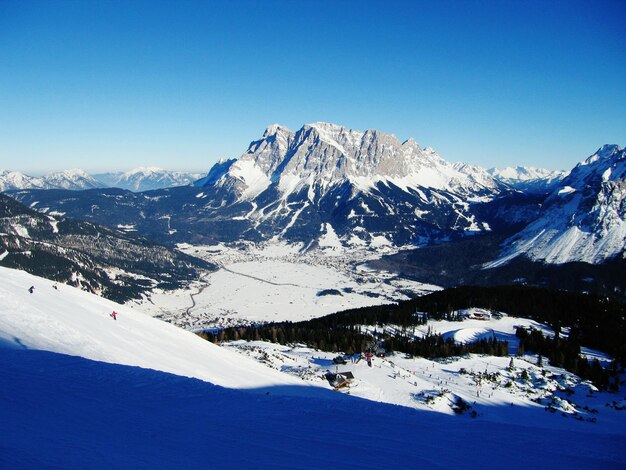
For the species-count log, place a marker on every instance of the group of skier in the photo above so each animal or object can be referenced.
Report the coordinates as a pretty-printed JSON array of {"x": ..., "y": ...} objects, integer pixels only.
[{"x": 31, "y": 290}]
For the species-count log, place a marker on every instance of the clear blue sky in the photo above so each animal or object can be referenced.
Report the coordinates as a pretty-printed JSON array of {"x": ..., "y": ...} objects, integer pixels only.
[{"x": 105, "y": 85}]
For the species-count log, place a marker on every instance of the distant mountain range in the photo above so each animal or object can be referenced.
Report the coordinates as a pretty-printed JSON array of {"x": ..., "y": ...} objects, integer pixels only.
[
  {"x": 329, "y": 187},
  {"x": 146, "y": 179},
  {"x": 138, "y": 179}
]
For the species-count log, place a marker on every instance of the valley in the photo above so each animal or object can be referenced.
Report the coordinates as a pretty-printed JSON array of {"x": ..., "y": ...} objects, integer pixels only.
[
  {"x": 305, "y": 235},
  {"x": 276, "y": 282}
]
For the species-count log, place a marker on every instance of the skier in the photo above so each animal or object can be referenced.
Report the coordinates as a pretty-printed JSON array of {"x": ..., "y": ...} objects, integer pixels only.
[
  {"x": 31, "y": 289},
  {"x": 114, "y": 315}
]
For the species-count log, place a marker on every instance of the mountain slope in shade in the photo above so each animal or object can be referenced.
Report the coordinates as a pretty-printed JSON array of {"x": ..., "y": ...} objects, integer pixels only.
[
  {"x": 117, "y": 416},
  {"x": 583, "y": 219},
  {"x": 111, "y": 262}
]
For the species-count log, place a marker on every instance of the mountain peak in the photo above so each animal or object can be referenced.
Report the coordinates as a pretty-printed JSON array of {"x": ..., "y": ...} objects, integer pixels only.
[
  {"x": 606, "y": 152},
  {"x": 274, "y": 129},
  {"x": 145, "y": 170}
]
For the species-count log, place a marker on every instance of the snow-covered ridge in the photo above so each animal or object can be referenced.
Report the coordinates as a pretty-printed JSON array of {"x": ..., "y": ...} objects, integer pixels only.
[
  {"x": 524, "y": 173},
  {"x": 583, "y": 219},
  {"x": 15, "y": 180},
  {"x": 71, "y": 179},
  {"x": 528, "y": 179},
  {"x": 146, "y": 178},
  {"x": 70, "y": 321},
  {"x": 137, "y": 179},
  {"x": 323, "y": 155}
]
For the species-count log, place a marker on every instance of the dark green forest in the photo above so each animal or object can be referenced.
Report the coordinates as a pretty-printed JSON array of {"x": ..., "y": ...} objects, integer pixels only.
[{"x": 596, "y": 322}]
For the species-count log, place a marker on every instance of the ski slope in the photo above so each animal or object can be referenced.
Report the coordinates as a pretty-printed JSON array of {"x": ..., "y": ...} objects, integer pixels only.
[
  {"x": 70, "y": 321},
  {"x": 67, "y": 412},
  {"x": 60, "y": 410}
]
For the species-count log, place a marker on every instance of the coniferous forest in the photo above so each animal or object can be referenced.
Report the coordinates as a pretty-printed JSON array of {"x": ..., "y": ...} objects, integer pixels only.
[{"x": 596, "y": 322}]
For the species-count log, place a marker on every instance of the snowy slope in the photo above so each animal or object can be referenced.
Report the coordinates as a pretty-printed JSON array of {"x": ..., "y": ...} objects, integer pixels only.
[
  {"x": 67, "y": 412},
  {"x": 583, "y": 219},
  {"x": 70, "y": 321},
  {"x": 402, "y": 380}
]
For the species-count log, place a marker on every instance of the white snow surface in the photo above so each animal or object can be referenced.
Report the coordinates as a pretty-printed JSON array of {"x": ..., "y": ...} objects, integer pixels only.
[
  {"x": 70, "y": 321},
  {"x": 67, "y": 412},
  {"x": 60, "y": 410}
]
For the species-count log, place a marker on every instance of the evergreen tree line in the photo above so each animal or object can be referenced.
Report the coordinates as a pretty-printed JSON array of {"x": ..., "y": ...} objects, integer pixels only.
[
  {"x": 349, "y": 339},
  {"x": 432, "y": 346},
  {"x": 565, "y": 353},
  {"x": 596, "y": 322}
]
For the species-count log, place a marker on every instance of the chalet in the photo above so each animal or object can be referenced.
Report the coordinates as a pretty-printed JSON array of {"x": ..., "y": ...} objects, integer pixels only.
[
  {"x": 339, "y": 380},
  {"x": 477, "y": 314}
]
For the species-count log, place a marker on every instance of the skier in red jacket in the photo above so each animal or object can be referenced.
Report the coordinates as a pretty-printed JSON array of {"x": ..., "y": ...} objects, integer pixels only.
[{"x": 114, "y": 315}]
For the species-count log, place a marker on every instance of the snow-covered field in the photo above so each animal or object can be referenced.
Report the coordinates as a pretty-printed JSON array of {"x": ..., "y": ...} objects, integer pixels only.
[
  {"x": 59, "y": 410},
  {"x": 275, "y": 282},
  {"x": 486, "y": 383}
]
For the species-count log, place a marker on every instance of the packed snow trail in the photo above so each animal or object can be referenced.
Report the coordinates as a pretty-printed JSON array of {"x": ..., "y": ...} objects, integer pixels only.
[{"x": 70, "y": 321}]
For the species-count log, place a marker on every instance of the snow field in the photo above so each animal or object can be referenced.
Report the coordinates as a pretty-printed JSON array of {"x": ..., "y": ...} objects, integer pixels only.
[
  {"x": 125, "y": 417},
  {"x": 69, "y": 321},
  {"x": 274, "y": 283},
  {"x": 493, "y": 390}
]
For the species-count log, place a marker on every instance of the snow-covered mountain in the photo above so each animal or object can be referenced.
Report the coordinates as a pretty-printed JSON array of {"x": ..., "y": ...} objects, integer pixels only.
[
  {"x": 75, "y": 179},
  {"x": 138, "y": 179},
  {"x": 324, "y": 185},
  {"x": 321, "y": 156},
  {"x": 528, "y": 179},
  {"x": 583, "y": 219},
  {"x": 146, "y": 178},
  {"x": 357, "y": 187},
  {"x": 10, "y": 180},
  {"x": 339, "y": 189}
]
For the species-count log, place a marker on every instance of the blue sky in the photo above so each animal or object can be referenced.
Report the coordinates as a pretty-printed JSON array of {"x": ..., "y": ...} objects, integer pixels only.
[{"x": 178, "y": 84}]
